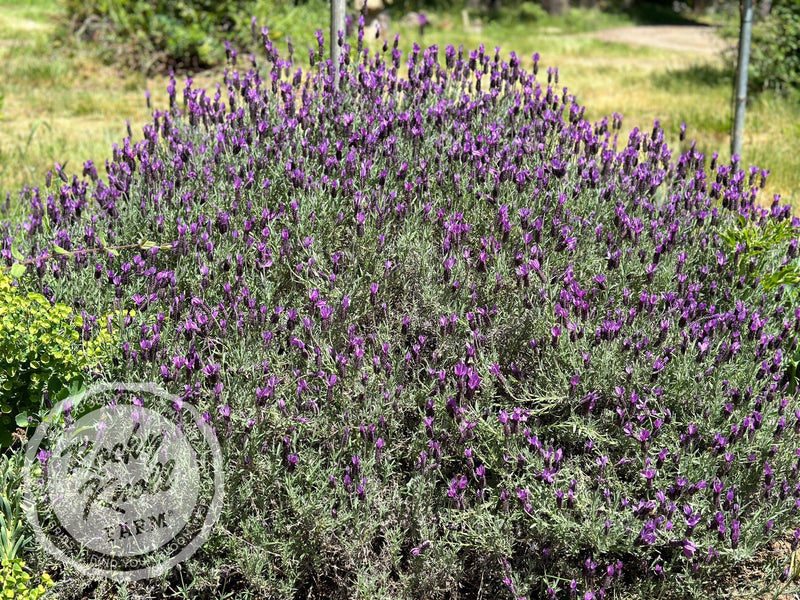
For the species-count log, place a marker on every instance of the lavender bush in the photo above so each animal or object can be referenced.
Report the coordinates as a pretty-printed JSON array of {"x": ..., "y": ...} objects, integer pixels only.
[{"x": 456, "y": 340}]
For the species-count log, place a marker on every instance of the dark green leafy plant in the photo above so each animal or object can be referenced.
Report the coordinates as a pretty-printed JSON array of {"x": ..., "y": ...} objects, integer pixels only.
[
  {"x": 793, "y": 372},
  {"x": 775, "y": 58},
  {"x": 44, "y": 352},
  {"x": 159, "y": 33},
  {"x": 757, "y": 252},
  {"x": 531, "y": 12}
]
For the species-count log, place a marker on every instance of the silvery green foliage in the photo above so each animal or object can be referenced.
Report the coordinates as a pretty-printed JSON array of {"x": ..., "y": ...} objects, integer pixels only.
[{"x": 454, "y": 337}]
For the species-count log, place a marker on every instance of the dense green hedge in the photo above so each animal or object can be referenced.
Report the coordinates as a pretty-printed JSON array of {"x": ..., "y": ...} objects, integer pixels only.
[
  {"x": 147, "y": 33},
  {"x": 775, "y": 59},
  {"x": 46, "y": 350}
]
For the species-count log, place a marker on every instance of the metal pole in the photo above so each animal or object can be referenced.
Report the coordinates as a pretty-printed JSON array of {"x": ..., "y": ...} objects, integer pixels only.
[
  {"x": 742, "y": 64},
  {"x": 337, "y": 25}
]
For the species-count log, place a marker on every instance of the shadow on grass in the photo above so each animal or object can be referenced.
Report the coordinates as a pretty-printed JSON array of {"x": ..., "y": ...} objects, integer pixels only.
[
  {"x": 649, "y": 13},
  {"x": 702, "y": 75}
]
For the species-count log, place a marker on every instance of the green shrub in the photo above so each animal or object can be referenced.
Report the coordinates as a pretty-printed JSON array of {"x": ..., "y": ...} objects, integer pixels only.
[
  {"x": 151, "y": 33},
  {"x": 15, "y": 581},
  {"x": 755, "y": 258},
  {"x": 775, "y": 56},
  {"x": 42, "y": 353},
  {"x": 294, "y": 21},
  {"x": 531, "y": 12}
]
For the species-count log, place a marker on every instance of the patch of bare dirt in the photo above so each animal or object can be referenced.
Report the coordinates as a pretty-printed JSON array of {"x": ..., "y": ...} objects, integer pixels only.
[{"x": 697, "y": 39}]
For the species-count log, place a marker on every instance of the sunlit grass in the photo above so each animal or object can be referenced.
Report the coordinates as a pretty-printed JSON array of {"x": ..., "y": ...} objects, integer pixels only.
[{"x": 61, "y": 103}]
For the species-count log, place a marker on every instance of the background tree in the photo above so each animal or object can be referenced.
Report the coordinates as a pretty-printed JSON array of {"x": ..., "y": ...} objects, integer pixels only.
[{"x": 775, "y": 59}]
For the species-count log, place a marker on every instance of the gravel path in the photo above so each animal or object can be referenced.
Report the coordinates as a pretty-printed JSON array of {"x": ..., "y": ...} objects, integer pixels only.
[{"x": 697, "y": 39}]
